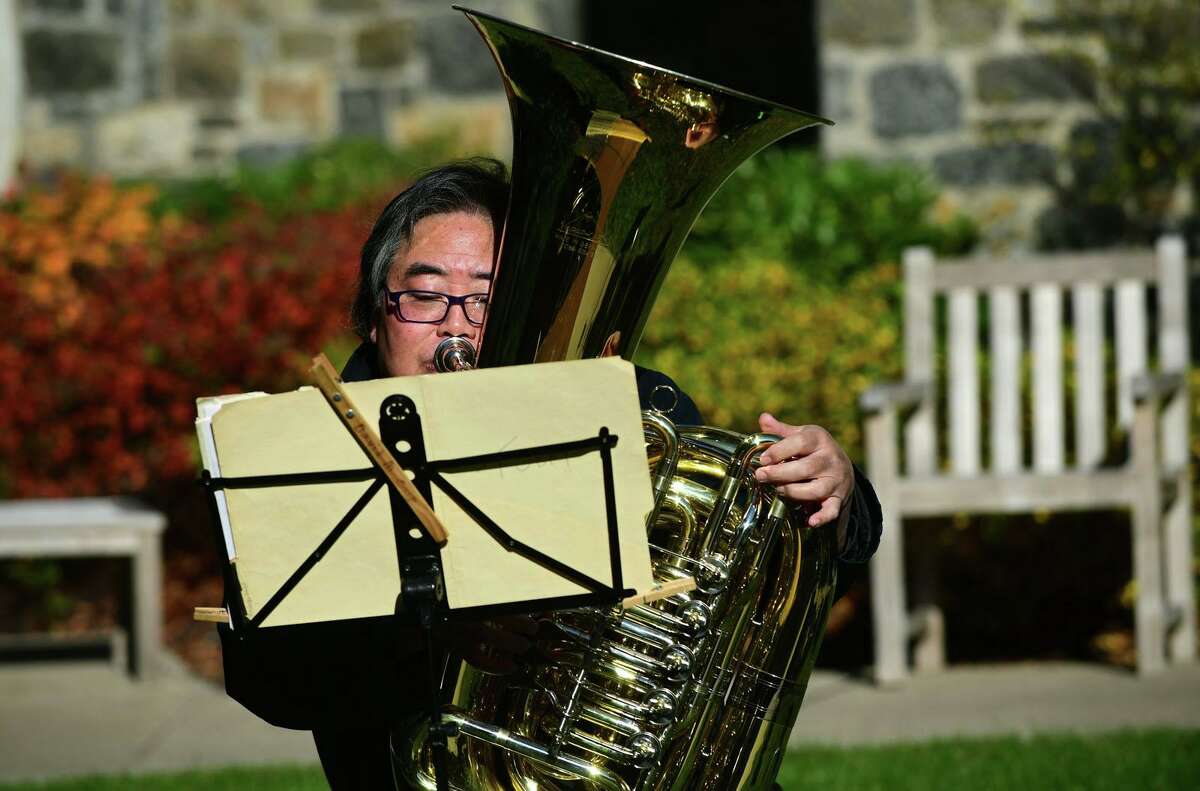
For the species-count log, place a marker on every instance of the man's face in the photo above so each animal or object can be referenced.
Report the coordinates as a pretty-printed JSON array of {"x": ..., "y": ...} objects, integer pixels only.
[{"x": 450, "y": 253}]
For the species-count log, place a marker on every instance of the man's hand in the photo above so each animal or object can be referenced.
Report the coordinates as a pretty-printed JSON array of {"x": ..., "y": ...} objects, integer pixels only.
[{"x": 808, "y": 466}]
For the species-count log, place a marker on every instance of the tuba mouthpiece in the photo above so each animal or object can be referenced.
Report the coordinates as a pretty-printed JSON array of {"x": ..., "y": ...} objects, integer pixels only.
[{"x": 454, "y": 354}]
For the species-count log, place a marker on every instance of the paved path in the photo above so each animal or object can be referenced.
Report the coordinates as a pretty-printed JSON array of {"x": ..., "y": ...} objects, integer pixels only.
[
  {"x": 996, "y": 699},
  {"x": 83, "y": 718},
  {"x": 76, "y": 718}
]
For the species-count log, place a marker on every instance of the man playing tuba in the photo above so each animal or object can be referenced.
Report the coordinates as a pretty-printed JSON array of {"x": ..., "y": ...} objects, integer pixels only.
[{"x": 425, "y": 273}]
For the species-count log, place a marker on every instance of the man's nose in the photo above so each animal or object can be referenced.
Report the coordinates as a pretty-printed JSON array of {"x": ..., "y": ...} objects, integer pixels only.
[{"x": 456, "y": 322}]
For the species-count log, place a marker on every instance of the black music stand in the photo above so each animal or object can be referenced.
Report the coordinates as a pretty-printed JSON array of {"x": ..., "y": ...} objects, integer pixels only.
[{"x": 422, "y": 590}]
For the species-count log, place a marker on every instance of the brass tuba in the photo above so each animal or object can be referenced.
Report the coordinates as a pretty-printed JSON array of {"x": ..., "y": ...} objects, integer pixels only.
[{"x": 612, "y": 162}]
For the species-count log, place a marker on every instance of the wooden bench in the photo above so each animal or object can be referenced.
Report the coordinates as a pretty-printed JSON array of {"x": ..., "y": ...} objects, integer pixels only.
[
  {"x": 98, "y": 527},
  {"x": 1151, "y": 408}
]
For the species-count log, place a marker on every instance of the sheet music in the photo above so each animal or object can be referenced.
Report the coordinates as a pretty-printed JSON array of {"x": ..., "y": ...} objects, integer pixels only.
[
  {"x": 205, "y": 409},
  {"x": 556, "y": 507}
]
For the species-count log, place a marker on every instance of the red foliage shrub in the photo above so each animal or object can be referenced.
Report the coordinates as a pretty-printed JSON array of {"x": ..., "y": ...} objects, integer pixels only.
[{"x": 114, "y": 322}]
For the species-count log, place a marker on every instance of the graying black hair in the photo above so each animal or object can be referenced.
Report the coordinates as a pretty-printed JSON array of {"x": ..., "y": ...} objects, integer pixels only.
[{"x": 478, "y": 185}]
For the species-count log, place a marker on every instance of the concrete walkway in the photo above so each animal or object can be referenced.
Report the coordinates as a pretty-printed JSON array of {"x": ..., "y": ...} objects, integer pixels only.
[
  {"x": 62, "y": 719},
  {"x": 78, "y": 718},
  {"x": 988, "y": 700}
]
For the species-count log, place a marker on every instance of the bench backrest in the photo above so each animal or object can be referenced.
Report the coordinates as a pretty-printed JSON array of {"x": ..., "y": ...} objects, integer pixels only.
[{"x": 1038, "y": 303}]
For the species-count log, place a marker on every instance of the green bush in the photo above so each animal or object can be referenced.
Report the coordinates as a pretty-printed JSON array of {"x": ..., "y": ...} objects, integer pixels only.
[
  {"x": 786, "y": 296},
  {"x": 830, "y": 219},
  {"x": 759, "y": 336},
  {"x": 328, "y": 178}
]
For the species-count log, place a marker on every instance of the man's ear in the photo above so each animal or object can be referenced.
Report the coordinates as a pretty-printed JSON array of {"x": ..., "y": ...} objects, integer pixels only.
[
  {"x": 612, "y": 345},
  {"x": 373, "y": 335}
]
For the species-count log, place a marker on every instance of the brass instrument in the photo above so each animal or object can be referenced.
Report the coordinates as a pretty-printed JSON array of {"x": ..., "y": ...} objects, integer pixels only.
[{"x": 612, "y": 162}]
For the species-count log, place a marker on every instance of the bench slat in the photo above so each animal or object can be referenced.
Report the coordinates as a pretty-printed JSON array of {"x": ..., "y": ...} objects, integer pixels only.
[
  {"x": 1064, "y": 270},
  {"x": 1088, "y": 308},
  {"x": 920, "y": 438},
  {"x": 1131, "y": 344},
  {"x": 964, "y": 382},
  {"x": 1046, "y": 319},
  {"x": 1004, "y": 338},
  {"x": 79, "y": 513},
  {"x": 1173, "y": 352},
  {"x": 1022, "y": 493}
]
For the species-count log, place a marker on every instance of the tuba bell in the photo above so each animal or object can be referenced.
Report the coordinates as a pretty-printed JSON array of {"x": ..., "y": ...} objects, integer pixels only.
[{"x": 613, "y": 160}]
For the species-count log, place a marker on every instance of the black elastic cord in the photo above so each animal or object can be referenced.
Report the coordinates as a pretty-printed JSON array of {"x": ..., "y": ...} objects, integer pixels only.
[
  {"x": 513, "y": 545},
  {"x": 318, "y": 553},
  {"x": 292, "y": 479},
  {"x": 607, "y": 441},
  {"x": 505, "y": 458}
]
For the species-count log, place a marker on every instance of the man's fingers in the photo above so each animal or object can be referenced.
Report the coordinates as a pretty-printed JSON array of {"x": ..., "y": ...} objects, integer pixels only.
[
  {"x": 802, "y": 443},
  {"x": 769, "y": 424},
  {"x": 813, "y": 491},
  {"x": 828, "y": 513},
  {"x": 789, "y": 471}
]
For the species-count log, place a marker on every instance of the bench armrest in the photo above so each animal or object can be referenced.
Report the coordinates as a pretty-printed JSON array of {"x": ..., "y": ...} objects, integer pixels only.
[
  {"x": 894, "y": 395},
  {"x": 1157, "y": 386}
]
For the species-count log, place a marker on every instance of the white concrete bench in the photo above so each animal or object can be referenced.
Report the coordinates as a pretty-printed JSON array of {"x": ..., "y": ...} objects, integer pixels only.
[
  {"x": 1063, "y": 301},
  {"x": 105, "y": 527}
]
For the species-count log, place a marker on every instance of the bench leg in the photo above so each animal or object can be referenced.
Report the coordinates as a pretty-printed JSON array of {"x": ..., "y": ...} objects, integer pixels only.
[
  {"x": 147, "y": 608},
  {"x": 926, "y": 622},
  {"x": 1181, "y": 594},
  {"x": 888, "y": 606},
  {"x": 1149, "y": 620}
]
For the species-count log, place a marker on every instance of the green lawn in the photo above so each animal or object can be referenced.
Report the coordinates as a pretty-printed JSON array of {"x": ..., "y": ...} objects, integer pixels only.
[{"x": 1162, "y": 759}]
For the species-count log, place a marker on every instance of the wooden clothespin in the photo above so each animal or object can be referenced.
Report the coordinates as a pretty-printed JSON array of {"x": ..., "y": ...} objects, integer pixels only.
[
  {"x": 660, "y": 591},
  {"x": 211, "y": 615},
  {"x": 331, "y": 385}
]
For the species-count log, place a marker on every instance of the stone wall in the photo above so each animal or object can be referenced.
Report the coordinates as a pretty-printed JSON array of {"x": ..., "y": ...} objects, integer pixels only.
[
  {"x": 980, "y": 91},
  {"x": 175, "y": 87}
]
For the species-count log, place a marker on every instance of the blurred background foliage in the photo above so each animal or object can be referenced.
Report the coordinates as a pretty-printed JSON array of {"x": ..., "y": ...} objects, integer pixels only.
[
  {"x": 327, "y": 178},
  {"x": 786, "y": 297},
  {"x": 829, "y": 220},
  {"x": 1130, "y": 167}
]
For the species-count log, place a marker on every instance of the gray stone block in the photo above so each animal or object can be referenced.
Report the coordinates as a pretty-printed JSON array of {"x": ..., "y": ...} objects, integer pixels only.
[
  {"x": 348, "y": 6},
  {"x": 70, "y": 61},
  {"x": 968, "y": 21},
  {"x": 914, "y": 99},
  {"x": 1020, "y": 78},
  {"x": 459, "y": 62},
  {"x": 360, "y": 113},
  {"x": 182, "y": 9},
  {"x": 206, "y": 66},
  {"x": 869, "y": 22},
  {"x": 306, "y": 44},
  {"x": 560, "y": 18},
  {"x": 54, "y": 6},
  {"x": 835, "y": 93},
  {"x": 385, "y": 45},
  {"x": 1094, "y": 153},
  {"x": 1000, "y": 163}
]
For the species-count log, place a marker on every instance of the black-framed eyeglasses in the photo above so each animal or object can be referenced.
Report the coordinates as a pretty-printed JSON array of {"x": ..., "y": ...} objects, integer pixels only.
[{"x": 432, "y": 307}]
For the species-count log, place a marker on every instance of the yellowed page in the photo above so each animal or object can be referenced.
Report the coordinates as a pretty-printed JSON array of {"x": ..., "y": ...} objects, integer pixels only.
[
  {"x": 275, "y": 529},
  {"x": 556, "y": 507}
]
